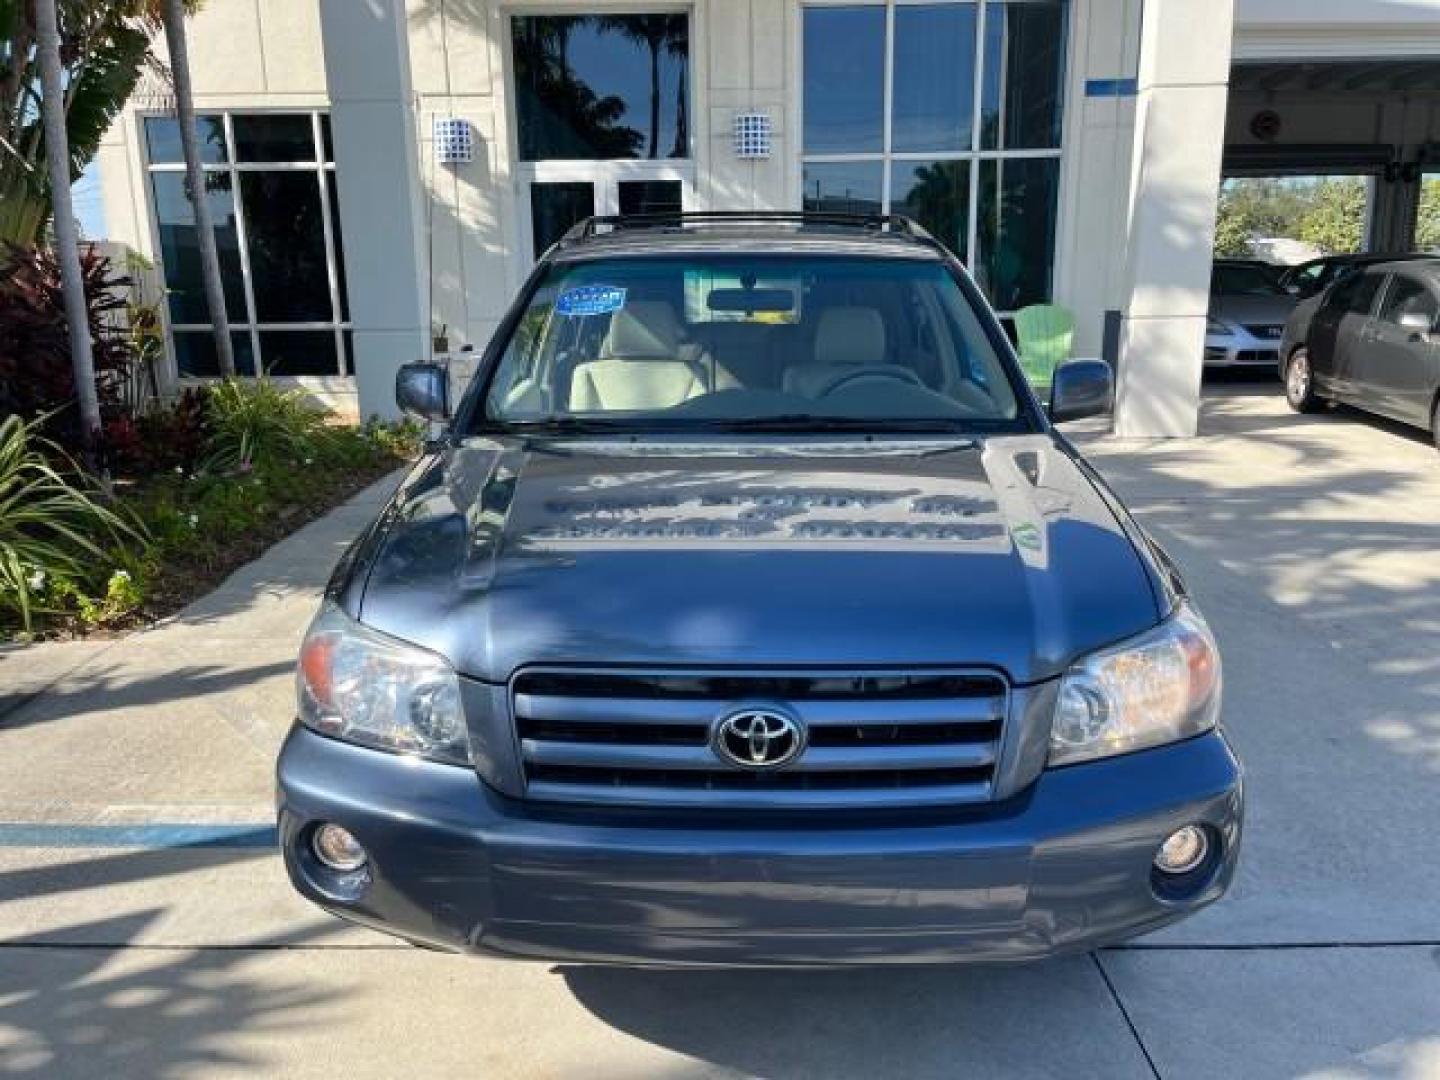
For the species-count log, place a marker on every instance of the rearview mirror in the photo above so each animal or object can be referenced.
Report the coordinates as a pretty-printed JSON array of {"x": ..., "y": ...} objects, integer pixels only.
[
  {"x": 1079, "y": 389},
  {"x": 423, "y": 390},
  {"x": 751, "y": 300},
  {"x": 1416, "y": 322}
]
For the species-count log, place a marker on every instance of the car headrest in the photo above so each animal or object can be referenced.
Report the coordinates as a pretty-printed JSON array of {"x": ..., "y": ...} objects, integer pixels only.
[
  {"x": 643, "y": 330},
  {"x": 850, "y": 336}
]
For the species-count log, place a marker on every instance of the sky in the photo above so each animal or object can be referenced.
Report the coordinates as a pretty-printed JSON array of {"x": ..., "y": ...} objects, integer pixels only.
[{"x": 89, "y": 207}]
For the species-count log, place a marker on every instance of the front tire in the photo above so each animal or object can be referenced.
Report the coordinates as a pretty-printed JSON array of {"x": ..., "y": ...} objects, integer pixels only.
[
  {"x": 1300, "y": 383},
  {"x": 1435, "y": 423}
]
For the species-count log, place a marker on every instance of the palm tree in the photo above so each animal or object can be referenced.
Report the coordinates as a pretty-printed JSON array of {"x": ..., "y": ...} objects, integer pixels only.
[
  {"x": 105, "y": 45},
  {"x": 67, "y": 241},
  {"x": 657, "y": 33},
  {"x": 173, "y": 14}
]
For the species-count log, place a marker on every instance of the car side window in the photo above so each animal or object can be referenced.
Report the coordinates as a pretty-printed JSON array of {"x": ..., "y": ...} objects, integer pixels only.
[
  {"x": 1355, "y": 294},
  {"x": 1308, "y": 280},
  {"x": 1408, "y": 296}
]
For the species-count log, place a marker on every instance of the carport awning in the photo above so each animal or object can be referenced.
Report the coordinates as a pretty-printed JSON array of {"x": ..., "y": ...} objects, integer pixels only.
[{"x": 1299, "y": 159}]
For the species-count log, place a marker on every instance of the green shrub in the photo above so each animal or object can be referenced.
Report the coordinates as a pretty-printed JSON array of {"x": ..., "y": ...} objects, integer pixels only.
[
  {"x": 402, "y": 438},
  {"x": 122, "y": 595},
  {"x": 252, "y": 421},
  {"x": 55, "y": 534}
]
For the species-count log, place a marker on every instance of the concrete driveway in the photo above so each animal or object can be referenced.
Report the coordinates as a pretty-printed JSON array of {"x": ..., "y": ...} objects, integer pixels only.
[{"x": 146, "y": 929}]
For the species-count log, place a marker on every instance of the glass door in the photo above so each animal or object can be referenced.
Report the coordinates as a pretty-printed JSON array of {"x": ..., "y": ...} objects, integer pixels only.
[
  {"x": 555, "y": 206},
  {"x": 561, "y": 193}
]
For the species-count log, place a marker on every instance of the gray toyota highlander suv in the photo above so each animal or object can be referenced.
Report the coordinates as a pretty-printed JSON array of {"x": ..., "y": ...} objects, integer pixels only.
[{"x": 751, "y": 610}]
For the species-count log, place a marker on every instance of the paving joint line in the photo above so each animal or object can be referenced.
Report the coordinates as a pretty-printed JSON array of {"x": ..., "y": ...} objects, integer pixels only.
[{"x": 1125, "y": 1014}]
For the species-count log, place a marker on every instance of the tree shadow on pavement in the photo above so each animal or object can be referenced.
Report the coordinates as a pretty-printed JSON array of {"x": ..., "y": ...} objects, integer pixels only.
[
  {"x": 97, "y": 689},
  {"x": 113, "y": 1012},
  {"x": 103, "y": 871}
]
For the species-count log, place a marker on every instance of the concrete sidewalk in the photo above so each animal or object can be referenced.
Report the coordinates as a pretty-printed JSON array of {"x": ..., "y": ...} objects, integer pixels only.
[{"x": 1310, "y": 542}]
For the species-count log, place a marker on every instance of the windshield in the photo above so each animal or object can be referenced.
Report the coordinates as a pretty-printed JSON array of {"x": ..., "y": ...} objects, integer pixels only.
[
  {"x": 750, "y": 341},
  {"x": 1244, "y": 281}
]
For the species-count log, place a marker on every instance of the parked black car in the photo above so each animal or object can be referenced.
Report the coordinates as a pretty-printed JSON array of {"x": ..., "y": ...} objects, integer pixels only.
[
  {"x": 1370, "y": 341},
  {"x": 1311, "y": 278}
]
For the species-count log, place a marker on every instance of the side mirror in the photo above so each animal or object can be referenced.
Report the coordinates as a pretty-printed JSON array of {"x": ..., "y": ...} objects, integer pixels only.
[
  {"x": 423, "y": 390},
  {"x": 1416, "y": 322},
  {"x": 1081, "y": 388}
]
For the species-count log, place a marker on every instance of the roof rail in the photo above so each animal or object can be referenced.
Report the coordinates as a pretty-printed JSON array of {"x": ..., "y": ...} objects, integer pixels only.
[{"x": 896, "y": 223}]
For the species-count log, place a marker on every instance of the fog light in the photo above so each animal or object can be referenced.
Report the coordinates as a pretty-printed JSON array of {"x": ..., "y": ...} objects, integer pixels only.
[
  {"x": 337, "y": 848},
  {"x": 1183, "y": 850}
]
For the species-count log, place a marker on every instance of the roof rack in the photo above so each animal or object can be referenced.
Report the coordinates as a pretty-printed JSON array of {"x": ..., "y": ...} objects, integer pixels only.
[{"x": 894, "y": 223}]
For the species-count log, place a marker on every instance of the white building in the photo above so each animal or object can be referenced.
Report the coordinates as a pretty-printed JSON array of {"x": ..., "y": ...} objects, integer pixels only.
[{"x": 1069, "y": 150}]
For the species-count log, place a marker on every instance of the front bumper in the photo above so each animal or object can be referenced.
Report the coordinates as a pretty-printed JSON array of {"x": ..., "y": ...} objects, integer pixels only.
[
  {"x": 1241, "y": 349},
  {"x": 1065, "y": 866}
]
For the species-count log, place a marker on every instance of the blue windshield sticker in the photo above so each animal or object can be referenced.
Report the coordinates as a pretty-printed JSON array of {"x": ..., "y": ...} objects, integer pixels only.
[{"x": 591, "y": 300}]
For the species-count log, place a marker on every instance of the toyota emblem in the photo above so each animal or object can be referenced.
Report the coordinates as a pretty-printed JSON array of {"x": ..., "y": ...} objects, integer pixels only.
[{"x": 757, "y": 738}]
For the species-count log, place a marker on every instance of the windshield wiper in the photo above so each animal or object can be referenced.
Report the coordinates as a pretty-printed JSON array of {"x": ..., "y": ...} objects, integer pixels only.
[
  {"x": 564, "y": 425},
  {"x": 793, "y": 422},
  {"x": 783, "y": 423}
]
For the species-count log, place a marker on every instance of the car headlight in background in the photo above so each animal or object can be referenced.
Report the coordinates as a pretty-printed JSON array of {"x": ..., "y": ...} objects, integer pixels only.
[
  {"x": 1215, "y": 326},
  {"x": 1158, "y": 688},
  {"x": 363, "y": 687}
]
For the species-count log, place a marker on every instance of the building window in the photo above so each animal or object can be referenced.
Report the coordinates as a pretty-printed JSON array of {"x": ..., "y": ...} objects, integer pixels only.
[
  {"x": 270, "y": 183},
  {"x": 602, "y": 87},
  {"x": 950, "y": 113}
]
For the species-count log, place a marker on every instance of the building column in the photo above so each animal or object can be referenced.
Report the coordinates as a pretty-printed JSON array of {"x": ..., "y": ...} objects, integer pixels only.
[
  {"x": 367, "y": 72},
  {"x": 1175, "y": 177}
]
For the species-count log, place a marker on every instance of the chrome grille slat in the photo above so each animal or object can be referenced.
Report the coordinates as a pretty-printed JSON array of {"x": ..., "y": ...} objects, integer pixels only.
[
  {"x": 614, "y": 710},
  {"x": 877, "y": 738},
  {"x": 701, "y": 798},
  {"x": 816, "y": 758}
]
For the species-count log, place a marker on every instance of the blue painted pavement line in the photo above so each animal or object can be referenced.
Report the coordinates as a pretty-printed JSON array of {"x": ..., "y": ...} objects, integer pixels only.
[{"x": 42, "y": 835}]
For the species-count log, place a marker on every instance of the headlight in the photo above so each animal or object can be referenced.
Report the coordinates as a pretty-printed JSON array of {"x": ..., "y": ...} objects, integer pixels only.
[
  {"x": 1154, "y": 689},
  {"x": 361, "y": 686},
  {"x": 1215, "y": 326}
]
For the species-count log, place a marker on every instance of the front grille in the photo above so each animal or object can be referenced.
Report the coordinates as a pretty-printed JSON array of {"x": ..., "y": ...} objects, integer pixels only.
[
  {"x": 1272, "y": 331},
  {"x": 875, "y": 738},
  {"x": 1256, "y": 356}
]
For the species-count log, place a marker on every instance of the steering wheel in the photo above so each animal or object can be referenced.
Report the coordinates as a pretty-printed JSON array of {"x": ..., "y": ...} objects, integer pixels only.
[{"x": 894, "y": 374}]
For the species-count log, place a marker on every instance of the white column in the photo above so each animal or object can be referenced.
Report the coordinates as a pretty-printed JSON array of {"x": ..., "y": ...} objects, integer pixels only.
[
  {"x": 367, "y": 71},
  {"x": 1175, "y": 176}
]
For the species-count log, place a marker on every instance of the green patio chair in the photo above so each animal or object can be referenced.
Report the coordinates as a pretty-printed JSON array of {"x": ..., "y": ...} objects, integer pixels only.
[{"x": 1045, "y": 333}]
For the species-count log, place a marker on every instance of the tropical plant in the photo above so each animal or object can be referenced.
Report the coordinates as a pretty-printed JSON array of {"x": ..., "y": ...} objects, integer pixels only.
[
  {"x": 36, "y": 376},
  {"x": 254, "y": 421},
  {"x": 55, "y": 532},
  {"x": 105, "y": 46}
]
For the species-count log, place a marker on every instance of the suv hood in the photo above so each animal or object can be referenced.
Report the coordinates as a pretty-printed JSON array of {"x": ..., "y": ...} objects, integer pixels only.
[{"x": 997, "y": 552}]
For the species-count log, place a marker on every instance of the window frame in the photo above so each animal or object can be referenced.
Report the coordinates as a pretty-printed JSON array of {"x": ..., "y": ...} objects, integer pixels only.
[
  {"x": 322, "y": 170},
  {"x": 887, "y": 157}
]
